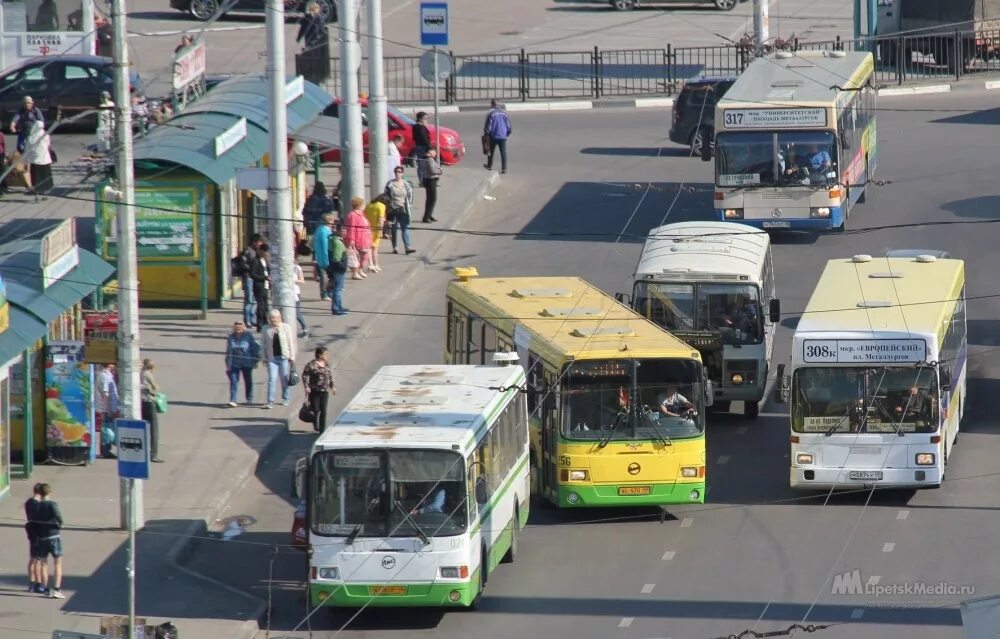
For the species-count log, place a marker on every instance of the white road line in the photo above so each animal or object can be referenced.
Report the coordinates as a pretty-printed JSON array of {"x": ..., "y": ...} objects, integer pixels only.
[
  {"x": 991, "y": 85},
  {"x": 450, "y": 108},
  {"x": 857, "y": 613},
  {"x": 888, "y": 546},
  {"x": 626, "y": 622},
  {"x": 669, "y": 555},
  {"x": 742, "y": 430},
  {"x": 723, "y": 459},
  {"x": 903, "y": 514},
  {"x": 176, "y": 32},
  {"x": 686, "y": 523},
  {"x": 648, "y": 588}
]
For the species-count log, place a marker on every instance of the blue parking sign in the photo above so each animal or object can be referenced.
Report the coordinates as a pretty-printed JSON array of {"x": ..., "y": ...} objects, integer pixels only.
[
  {"x": 434, "y": 24},
  {"x": 133, "y": 448}
]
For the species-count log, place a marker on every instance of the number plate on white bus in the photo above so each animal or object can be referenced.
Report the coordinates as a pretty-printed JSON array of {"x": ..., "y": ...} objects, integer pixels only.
[
  {"x": 779, "y": 224},
  {"x": 875, "y": 475}
]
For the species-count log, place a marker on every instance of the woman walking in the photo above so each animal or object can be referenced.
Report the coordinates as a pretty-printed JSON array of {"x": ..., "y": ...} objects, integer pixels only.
[
  {"x": 279, "y": 353},
  {"x": 375, "y": 212},
  {"x": 317, "y": 379},
  {"x": 242, "y": 354},
  {"x": 400, "y": 195},
  {"x": 429, "y": 172},
  {"x": 149, "y": 390},
  {"x": 358, "y": 236},
  {"x": 37, "y": 160}
]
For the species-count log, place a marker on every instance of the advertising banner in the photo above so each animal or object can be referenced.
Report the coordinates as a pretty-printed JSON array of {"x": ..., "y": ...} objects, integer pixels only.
[{"x": 69, "y": 404}]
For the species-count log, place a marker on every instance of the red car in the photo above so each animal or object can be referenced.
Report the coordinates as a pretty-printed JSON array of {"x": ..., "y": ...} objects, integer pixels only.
[{"x": 452, "y": 149}]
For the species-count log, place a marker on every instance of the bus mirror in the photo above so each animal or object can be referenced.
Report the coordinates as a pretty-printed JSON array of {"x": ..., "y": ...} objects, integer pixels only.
[
  {"x": 774, "y": 311},
  {"x": 946, "y": 378},
  {"x": 781, "y": 385},
  {"x": 709, "y": 393},
  {"x": 299, "y": 477},
  {"x": 622, "y": 298},
  {"x": 482, "y": 494}
]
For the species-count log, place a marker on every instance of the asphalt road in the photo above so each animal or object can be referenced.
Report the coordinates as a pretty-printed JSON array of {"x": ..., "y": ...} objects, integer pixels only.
[{"x": 756, "y": 555}]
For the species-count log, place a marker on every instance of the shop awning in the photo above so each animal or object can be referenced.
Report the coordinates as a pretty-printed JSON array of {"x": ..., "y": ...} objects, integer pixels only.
[
  {"x": 246, "y": 96},
  {"x": 324, "y": 132},
  {"x": 24, "y": 330}
]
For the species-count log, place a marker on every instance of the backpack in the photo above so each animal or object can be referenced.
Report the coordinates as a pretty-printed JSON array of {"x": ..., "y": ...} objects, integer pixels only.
[
  {"x": 239, "y": 266},
  {"x": 339, "y": 266}
]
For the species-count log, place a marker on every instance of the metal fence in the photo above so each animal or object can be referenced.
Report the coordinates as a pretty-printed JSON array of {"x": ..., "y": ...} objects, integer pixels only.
[{"x": 597, "y": 73}]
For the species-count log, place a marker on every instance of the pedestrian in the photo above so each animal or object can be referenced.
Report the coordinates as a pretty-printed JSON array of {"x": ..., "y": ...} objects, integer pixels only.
[
  {"x": 358, "y": 237},
  {"x": 107, "y": 406},
  {"x": 429, "y": 173},
  {"x": 49, "y": 524},
  {"x": 279, "y": 348},
  {"x": 242, "y": 355},
  {"x": 337, "y": 272},
  {"x": 316, "y": 43},
  {"x": 260, "y": 273},
  {"x": 240, "y": 269},
  {"x": 316, "y": 206},
  {"x": 299, "y": 278},
  {"x": 149, "y": 389},
  {"x": 22, "y": 120},
  {"x": 31, "y": 527},
  {"x": 375, "y": 213},
  {"x": 400, "y": 196},
  {"x": 395, "y": 156},
  {"x": 317, "y": 380},
  {"x": 421, "y": 136},
  {"x": 38, "y": 156},
  {"x": 186, "y": 41},
  {"x": 47, "y": 17},
  {"x": 498, "y": 128},
  {"x": 105, "y": 123},
  {"x": 321, "y": 253}
]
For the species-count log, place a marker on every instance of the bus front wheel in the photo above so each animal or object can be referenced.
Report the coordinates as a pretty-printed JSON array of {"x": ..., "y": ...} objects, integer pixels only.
[
  {"x": 515, "y": 523},
  {"x": 477, "y": 601}
]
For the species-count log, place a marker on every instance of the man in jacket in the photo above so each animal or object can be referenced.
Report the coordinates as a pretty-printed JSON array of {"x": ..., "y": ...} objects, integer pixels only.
[
  {"x": 260, "y": 275},
  {"x": 242, "y": 355},
  {"x": 49, "y": 541},
  {"x": 337, "y": 272},
  {"x": 31, "y": 527},
  {"x": 241, "y": 269},
  {"x": 321, "y": 252},
  {"x": 498, "y": 128},
  {"x": 279, "y": 349}
]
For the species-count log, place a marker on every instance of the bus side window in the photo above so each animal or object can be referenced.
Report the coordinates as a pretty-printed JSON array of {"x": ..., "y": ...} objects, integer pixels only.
[
  {"x": 534, "y": 381},
  {"x": 475, "y": 340},
  {"x": 489, "y": 342},
  {"x": 473, "y": 470}
]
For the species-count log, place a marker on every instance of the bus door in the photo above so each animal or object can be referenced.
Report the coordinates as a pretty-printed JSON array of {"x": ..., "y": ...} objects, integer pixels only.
[{"x": 550, "y": 430}]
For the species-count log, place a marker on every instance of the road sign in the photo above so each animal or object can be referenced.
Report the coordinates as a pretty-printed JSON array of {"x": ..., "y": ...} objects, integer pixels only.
[
  {"x": 444, "y": 65},
  {"x": 133, "y": 448},
  {"x": 434, "y": 24}
]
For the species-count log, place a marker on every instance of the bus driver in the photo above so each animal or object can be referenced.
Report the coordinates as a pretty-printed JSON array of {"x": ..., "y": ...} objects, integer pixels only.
[{"x": 674, "y": 404}]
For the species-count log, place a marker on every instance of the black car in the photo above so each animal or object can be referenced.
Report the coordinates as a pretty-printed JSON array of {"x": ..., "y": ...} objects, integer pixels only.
[
  {"x": 694, "y": 111},
  {"x": 62, "y": 86},
  {"x": 205, "y": 10}
]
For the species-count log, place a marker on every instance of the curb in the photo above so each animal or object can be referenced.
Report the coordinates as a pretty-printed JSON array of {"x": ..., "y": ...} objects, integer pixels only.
[{"x": 918, "y": 90}]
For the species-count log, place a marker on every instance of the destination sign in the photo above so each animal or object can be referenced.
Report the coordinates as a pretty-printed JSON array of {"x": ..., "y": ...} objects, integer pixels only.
[{"x": 774, "y": 118}]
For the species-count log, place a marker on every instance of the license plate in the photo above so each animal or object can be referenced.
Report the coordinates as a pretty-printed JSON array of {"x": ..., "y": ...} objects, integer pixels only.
[
  {"x": 377, "y": 591},
  {"x": 777, "y": 224},
  {"x": 865, "y": 474},
  {"x": 866, "y": 450},
  {"x": 635, "y": 490}
]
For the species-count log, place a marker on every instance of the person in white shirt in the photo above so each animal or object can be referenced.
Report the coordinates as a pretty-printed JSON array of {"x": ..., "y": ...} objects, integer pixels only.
[
  {"x": 395, "y": 156},
  {"x": 300, "y": 278},
  {"x": 107, "y": 403},
  {"x": 676, "y": 405}
]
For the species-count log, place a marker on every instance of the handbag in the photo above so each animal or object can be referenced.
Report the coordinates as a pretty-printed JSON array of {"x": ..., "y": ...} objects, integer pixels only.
[
  {"x": 293, "y": 377},
  {"x": 161, "y": 403},
  {"x": 353, "y": 261},
  {"x": 303, "y": 248},
  {"x": 52, "y": 154},
  {"x": 486, "y": 143},
  {"x": 307, "y": 414}
]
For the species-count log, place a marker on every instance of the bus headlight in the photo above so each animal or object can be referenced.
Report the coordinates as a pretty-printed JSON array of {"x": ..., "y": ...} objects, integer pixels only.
[
  {"x": 578, "y": 475},
  {"x": 737, "y": 379},
  {"x": 733, "y": 214},
  {"x": 689, "y": 471},
  {"x": 804, "y": 459},
  {"x": 822, "y": 211},
  {"x": 454, "y": 572},
  {"x": 329, "y": 573},
  {"x": 925, "y": 459}
]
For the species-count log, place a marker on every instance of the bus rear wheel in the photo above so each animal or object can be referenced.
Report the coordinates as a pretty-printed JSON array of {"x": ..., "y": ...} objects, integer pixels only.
[{"x": 515, "y": 524}]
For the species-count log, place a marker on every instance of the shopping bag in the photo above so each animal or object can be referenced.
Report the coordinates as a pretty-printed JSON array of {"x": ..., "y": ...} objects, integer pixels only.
[
  {"x": 306, "y": 413},
  {"x": 161, "y": 403}
]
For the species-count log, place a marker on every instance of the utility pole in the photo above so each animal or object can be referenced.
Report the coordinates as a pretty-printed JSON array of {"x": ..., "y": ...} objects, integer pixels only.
[
  {"x": 378, "y": 117},
  {"x": 279, "y": 200},
  {"x": 352, "y": 156},
  {"x": 760, "y": 27},
  {"x": 130, "y": 492}
]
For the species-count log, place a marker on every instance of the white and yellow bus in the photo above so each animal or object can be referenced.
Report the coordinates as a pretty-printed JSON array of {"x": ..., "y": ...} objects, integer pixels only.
[
  {"x": 419, "y": 488},
  {"x": 878, "y": 373}
]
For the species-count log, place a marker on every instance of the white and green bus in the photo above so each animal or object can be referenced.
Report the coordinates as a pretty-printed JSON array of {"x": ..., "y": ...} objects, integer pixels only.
[{"x": 419, "y": 488}]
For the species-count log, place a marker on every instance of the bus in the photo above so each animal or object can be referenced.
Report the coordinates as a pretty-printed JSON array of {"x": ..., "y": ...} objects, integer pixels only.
[
  {"x": 878, "y": 373},
  {"x": 708, "y": 283},
  {"x": 419, "y": 488},
  {"x": 616, "y": 404},
  {"x": 795, "y": 140}
]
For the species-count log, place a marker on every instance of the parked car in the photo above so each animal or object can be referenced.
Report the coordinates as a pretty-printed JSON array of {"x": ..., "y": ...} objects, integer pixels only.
[
  {"x": 694, "y": 111},
  {"x": 452, "y": 149},
  {"x": 625, "y": 5},
  {"x": 62, "y": 86},
  {"x": 204, "y": 10}
]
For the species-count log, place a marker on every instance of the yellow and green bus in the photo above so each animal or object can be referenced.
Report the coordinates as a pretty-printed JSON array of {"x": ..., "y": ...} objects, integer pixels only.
[{"x": 617, "y": 404}]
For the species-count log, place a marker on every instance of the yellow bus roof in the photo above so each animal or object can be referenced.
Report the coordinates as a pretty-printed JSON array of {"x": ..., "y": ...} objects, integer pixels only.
[
  {"x": 898, "y": 295},
  {"x": 566, "y": 318}
]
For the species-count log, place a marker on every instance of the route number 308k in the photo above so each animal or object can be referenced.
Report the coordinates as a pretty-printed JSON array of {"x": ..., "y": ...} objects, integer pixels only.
[{"x": 819, "y": 351}]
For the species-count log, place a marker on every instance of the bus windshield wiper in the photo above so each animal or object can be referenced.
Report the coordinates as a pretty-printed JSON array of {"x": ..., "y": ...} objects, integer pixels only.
[
  {"x": 611, "y": 431},
  {"x": 407, "y": 517},
  {"x": 833, "y": 428},
  {"x": 354, "y": 534},
  {"x": 654, "y": 424}
]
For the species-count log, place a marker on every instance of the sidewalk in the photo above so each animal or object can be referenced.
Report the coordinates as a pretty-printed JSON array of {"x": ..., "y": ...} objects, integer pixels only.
[{"x": 210, "y": 452}]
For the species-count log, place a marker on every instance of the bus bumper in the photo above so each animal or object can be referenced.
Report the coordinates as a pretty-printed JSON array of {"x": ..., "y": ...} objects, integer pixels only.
[
  {"x": 608, "y": 495},
  {"x": 835, "y": 220},
  {"x": 427, "y": 595},
  {"x": 840, "y": 478}
]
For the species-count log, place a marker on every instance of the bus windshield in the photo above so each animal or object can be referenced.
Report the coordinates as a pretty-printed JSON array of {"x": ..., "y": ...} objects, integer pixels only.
[
  {"x": 732, "y": 310},
  {"x": 865, "y": 400},
  {"x": 388, "y": 493},
  {"x": 597, "y": 396},
  {"x": 782, "y": 158}
]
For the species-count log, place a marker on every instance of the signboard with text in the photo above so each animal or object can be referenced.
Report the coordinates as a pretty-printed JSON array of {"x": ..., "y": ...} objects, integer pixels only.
[
  {"x": 166, "y": 223},
  {"x": 189, "y": 65},
  {"x": 863, "y": 351},
  {"x": 59, "y": 254},
  {"x": 774, "y": 118},
  {"x": 37, "y": 44}
]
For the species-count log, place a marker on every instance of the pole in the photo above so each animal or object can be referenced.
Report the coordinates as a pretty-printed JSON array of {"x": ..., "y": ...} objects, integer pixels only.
[
  {"x": 760, "y": 26},
  {"x": 437, "y": 99},
  {"x": 130, "y": 495},
  {"x": 352, "y": 151},
  {"x": 857, "y": 20},
  {"x": 279, "y": 209},
  {"x": 378, "y": 120}
]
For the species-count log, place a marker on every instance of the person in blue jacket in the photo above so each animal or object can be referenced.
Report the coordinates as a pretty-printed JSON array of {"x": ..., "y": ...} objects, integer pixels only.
[
  {"x": 242, "y": 355},
  {"x": 321, "y": 251},
  {"x": 498, "y": 128}
]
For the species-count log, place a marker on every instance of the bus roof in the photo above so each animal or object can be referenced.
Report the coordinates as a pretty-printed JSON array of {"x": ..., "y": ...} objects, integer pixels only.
[
  {"x": 566, "y": 318},
  {"x": 803, "y": 78},
  {"x": 708, "y": 250},
  {"x": 861, "y": 297},
  {"x": 433, "y": 406}
]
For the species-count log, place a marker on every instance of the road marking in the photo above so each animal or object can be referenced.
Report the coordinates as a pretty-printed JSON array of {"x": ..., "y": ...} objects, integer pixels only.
[
  {"x": 175, "y": 32},
  {"x": 451, "y": 108},
  {"x": 888, "y": 546},
  {"x": 686, "y": 523},
  {"x": 667, "y": 556},
  {"x": 903, "y": 514},
  {"x": 648, "y": 588},
  {"x": 992, "y": 84},
  {"x": 857, "y": 613},
  {"x": 742, "y": 430},
  {"x": 934, "y": 88},
  {"x": 626, "y": 622},
  {"x": 723, "y": 459}
]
